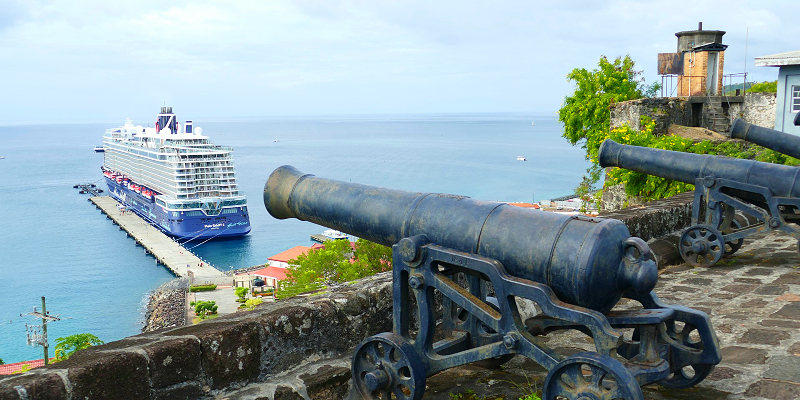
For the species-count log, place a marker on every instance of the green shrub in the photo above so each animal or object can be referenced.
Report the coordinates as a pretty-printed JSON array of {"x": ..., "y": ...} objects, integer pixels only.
[
  {"x": 287, "y": 289},
  {"x": 204, "y": 307},
  {"x": 203, "y": 288},
  {"x": 766, "y": 87}
]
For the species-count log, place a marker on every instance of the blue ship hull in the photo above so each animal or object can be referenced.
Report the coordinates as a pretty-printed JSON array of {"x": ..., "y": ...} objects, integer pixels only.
[{"x": 235, "y": 222}]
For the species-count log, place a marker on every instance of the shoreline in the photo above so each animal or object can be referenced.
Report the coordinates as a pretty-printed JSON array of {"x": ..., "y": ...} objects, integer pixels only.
[{"x": 166, "y": 306}]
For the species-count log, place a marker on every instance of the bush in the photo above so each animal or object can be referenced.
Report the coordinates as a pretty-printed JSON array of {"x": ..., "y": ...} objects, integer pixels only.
[
  {"x": 766, "y": 87},
  {"x": 203, "y": 288},
  {"x": 288, "y": 289},
  {"x": 252, "y": 303},
  {"x": 204, "y": 307}
]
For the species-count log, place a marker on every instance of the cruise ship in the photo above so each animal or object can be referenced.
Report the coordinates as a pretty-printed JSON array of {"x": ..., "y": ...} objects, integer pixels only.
[{"x": 175, "y": 178}]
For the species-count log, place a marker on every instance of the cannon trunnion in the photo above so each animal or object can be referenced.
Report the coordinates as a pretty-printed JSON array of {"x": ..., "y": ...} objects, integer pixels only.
[
  {"x": 768, "y": 193},
  {"x": 447, "y": 248}
]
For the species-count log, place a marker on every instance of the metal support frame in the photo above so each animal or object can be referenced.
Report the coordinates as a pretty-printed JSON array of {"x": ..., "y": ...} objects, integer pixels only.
[
  {"x": 476, "y": 327},
  {"x": 716, "y": 201}
]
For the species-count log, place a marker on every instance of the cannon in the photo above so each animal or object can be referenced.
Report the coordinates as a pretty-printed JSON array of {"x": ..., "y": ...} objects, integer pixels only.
[
  {"x": 459, "y": 268},
  {"x": 767, "y": 193},
  {"x": 781, "y": 142}
]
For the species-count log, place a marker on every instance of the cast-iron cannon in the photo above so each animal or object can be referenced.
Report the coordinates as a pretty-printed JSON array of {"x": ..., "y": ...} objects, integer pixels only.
[
  {"x": 781, "y": 142},
  {"x": 768, "y": 193},
  {"x": 446, "y": 249}
]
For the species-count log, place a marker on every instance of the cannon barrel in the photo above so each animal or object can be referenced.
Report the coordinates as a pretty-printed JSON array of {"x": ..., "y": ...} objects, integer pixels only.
[
  {"x": 776, "y": 140},
  {"x": 781, "y": 180},
  {"x": 587, "y": 262}
]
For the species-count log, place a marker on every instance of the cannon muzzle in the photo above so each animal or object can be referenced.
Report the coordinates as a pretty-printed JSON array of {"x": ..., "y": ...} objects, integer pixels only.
[
  {"x": 589, "y": 262},
  {"x": 781, "y": 180},
  {"x": 776, "y": 140}
]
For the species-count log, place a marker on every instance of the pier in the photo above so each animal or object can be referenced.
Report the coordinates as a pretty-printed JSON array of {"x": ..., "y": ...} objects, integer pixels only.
[{"x": 166, "y": 251}]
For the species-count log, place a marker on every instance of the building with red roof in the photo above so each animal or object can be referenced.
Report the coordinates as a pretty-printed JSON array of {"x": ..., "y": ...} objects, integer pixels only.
[
  {"x": 8, "y": 369},
  {"x": 281, "y": 260}
]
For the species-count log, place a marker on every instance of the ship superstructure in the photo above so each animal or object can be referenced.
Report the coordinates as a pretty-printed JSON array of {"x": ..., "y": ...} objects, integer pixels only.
[{"x": 175, "y": 178}]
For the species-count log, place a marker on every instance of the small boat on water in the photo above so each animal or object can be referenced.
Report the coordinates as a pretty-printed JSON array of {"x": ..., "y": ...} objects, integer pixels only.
[
  {"x": 330, "y": 234},
  {"x": 99, "y": 149},
  {"x": 521, "y": 158}
]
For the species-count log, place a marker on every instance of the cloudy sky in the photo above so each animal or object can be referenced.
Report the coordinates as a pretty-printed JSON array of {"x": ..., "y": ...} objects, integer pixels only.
[{"x": 100, "y": 60}]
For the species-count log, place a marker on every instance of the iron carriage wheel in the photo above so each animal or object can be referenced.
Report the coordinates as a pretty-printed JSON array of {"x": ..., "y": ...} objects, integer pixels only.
[
  {"x": 385, "y": 365},
  {"x": 701, "y": 246},
  {"x": 590, "y": 376}
]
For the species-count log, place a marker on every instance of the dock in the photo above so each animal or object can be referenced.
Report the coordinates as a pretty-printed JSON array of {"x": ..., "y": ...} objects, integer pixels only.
[{"x": 166, "y": 251}]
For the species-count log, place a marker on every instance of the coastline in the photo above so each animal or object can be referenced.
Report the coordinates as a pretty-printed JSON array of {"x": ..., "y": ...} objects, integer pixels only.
[{"x": 166, "y": 306}]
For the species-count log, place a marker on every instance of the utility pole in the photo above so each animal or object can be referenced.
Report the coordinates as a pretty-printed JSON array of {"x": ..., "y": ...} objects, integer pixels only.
[{"x": 37, "y": 334}]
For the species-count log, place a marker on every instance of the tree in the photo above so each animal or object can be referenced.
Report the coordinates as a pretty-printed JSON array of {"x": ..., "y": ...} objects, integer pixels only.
[
  {"x": 339, "y": 262},
  {"x": 586, "y": 114},
  {"x": 2, "y": 362},
  {"x": 67, "y": 346}
]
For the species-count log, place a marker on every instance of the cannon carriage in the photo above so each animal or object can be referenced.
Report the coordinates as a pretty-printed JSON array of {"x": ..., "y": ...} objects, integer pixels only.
[{"x": 447, "y": 248}]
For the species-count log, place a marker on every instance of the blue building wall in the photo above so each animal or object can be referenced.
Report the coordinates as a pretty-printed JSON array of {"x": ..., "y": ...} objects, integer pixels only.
[{"x": 788, "y": 76}]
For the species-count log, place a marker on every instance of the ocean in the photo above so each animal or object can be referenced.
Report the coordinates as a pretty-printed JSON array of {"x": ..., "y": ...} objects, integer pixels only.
[{"x": 56, "y": 244}]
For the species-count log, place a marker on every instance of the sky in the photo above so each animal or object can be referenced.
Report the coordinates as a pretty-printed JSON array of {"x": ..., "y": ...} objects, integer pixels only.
[{"x": 101, "y": 60}]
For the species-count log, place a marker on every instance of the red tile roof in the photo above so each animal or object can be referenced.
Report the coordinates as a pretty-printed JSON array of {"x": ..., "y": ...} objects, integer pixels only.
[
  {"x": 290, "y": 254},
  {"x": 525, "y": 205},
  {"x": 8, "y": 369},
  {"x": 272, "y": 272}
]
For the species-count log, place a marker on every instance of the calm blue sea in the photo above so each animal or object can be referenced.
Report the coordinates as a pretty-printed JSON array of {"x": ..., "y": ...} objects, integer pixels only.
[{"x": 56, "y": 244}]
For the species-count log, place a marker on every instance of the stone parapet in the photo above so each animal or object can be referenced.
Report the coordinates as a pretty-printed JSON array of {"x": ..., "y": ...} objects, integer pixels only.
[{"x": 228, "y": 352}]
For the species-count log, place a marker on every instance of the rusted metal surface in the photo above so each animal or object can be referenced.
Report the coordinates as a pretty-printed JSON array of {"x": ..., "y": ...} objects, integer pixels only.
[
  {"x": 574, "y": 269},
  {"x": 724, "y": 187},
  {"x": 670, "y": 63}
]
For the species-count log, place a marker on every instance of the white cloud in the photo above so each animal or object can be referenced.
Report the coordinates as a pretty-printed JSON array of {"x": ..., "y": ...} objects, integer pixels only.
[{"x": 313, "y": 57}]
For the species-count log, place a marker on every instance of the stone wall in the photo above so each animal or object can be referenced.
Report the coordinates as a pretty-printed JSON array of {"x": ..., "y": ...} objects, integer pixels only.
[
  {"x": 757, "y": 109},
  {"x": 664, "y": 111}
]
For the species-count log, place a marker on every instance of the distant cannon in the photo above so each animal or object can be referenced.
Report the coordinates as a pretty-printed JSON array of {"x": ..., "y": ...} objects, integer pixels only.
[
  {"x": 781, "y": 142},
  {"x": 574, "y": 268},
  {"x": 769, "y": 193}
]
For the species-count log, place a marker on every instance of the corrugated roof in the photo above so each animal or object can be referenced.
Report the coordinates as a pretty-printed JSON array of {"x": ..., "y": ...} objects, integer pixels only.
[
  {"x": 290, "y": 254},
  {"x": 777, "y": 60}
]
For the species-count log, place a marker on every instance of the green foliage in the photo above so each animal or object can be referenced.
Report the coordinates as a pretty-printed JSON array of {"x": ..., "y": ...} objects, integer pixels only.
[
  {"x": 203, "y": 288},
  {"x": 651, "y": 187},
  {"x": 252, "y": 303},
  {"x": 204, "y": 307},
  {"x": 24, "y": 368},
  {"x": 2, "y": 362},
  {"x": 766, "y": 87},
  {"x": 585, "y": 114},
  {"x": 288, "y": 289},
  {"x": 67, "y": 346},
  {"x": 241, "y": 292},
  {"x": 338, "y": 262}
]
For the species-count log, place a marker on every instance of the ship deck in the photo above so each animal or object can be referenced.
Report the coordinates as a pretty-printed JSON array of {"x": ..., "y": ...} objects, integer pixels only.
[{"x": 166, "y": 251}]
